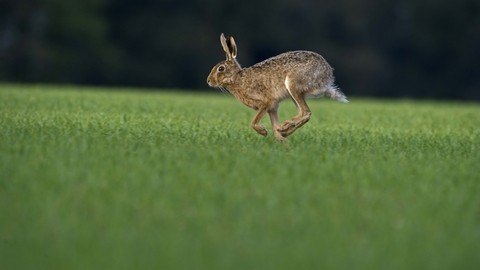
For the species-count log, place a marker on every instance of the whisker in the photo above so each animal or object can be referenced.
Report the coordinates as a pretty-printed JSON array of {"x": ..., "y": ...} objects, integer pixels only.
[{"x": 224, "y": 91}]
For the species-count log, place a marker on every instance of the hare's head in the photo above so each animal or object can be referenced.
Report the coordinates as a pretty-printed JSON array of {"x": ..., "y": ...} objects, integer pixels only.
[{"x": 223, "y": 73}]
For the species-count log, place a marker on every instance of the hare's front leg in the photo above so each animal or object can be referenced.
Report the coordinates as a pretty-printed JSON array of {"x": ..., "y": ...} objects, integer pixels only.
[
  {"x": 273, "y": 113},
  {"x": 255, "y": 122}
]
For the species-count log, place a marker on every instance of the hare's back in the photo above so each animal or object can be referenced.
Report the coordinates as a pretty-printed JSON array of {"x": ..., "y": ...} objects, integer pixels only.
[{"x": 292, "y": 60}]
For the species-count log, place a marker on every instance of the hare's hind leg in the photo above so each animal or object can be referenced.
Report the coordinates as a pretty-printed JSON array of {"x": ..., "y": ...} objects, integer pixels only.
[{"x": 304, "y": 113}]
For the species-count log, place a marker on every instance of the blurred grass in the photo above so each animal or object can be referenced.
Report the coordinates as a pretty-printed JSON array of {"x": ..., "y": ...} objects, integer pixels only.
[{"x": 109, "y": 179}]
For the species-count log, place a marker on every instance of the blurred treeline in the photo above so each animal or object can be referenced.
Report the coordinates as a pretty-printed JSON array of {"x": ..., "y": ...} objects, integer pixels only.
[{"x": 388, "y": 48}]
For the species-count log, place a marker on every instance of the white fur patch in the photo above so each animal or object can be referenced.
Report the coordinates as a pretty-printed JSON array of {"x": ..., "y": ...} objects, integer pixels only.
[{"x": 287, "y": 83}]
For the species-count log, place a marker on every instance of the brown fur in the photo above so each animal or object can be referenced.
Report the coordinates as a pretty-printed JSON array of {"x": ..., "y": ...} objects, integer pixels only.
[{"x": 297, "y": 74}]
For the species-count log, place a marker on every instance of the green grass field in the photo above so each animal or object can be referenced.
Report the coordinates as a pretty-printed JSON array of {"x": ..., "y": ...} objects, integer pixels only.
[{"x": 110, "y": 179}]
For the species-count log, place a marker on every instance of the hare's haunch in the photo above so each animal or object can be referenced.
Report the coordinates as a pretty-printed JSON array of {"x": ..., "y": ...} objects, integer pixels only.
[{"x": 297, "y": 75}]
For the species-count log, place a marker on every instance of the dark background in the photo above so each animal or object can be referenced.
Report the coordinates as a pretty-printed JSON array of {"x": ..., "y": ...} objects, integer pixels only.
[{"x": 382, "y": 48}]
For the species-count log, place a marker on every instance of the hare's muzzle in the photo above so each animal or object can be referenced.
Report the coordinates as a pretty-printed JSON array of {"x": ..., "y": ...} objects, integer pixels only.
[{"x": 211, "y": 82}]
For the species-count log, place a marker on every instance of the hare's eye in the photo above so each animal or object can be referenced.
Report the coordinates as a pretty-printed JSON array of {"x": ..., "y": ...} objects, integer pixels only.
[{"x": 221, "y": 68}]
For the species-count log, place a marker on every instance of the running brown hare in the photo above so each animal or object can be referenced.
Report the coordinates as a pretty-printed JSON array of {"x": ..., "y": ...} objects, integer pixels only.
[{"x": 297, "y": 75}]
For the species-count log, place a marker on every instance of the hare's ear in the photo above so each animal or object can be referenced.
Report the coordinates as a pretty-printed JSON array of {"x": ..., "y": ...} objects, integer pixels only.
[
  {"x": 223, "y": 40},
  {"x": 232, "y": 47},
  {"x": 229, "y": 47}
]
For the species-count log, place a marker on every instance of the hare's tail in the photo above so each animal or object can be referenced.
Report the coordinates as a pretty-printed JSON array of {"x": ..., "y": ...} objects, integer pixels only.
[{"x": 335, "y": 93}]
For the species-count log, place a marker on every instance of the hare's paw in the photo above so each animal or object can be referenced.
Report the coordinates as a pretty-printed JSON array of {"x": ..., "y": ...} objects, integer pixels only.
[
  {"x": 260, "y": 130},
  {"x": 286, "y": 128},
  {"x": 280, "y": 138}
]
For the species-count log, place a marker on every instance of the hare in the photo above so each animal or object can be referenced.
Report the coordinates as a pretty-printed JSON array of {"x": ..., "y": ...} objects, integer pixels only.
[{"x": 297, "y": 75}]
